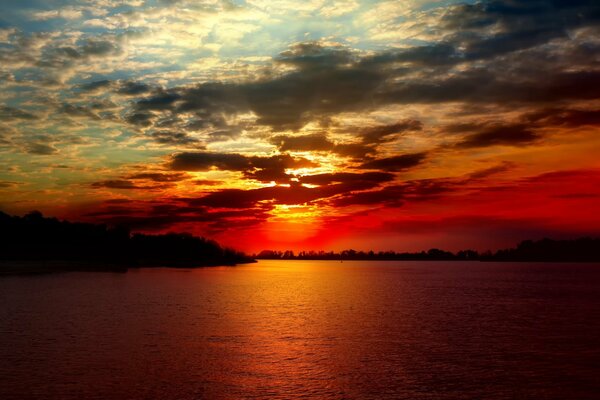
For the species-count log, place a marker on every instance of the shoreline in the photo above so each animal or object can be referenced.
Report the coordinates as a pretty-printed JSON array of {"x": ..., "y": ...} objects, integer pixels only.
[{"x": 39, "y": 267}]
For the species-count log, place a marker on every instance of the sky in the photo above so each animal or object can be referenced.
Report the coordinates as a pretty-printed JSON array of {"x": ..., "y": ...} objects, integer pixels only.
[{"x": 278, "y": 124}]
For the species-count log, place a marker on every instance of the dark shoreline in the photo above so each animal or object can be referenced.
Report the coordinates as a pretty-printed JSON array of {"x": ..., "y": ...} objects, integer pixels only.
[
  {"x": 436, "y": 260},
  {"x": 39, "y": 267},
  {"x": 26, "y": 268}
]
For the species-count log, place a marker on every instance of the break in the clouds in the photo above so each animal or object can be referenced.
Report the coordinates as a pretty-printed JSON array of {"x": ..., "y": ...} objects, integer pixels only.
[{"x": 303, "y": 123}]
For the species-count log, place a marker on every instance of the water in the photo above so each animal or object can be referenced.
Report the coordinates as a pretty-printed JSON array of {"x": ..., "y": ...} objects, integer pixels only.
[{"x": 305, "y": 329}]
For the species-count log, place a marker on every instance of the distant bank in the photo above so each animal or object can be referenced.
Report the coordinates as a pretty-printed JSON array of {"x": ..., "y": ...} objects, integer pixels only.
[
  {"x": 35, "y": 244},
  {"x": 545, "y": 250}
]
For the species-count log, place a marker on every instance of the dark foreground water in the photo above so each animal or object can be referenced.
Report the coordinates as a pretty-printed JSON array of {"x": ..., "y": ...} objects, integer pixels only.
[{"x": 299, "y": 329}]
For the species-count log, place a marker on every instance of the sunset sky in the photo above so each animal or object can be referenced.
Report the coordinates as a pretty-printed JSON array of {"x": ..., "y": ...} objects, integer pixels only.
[{"x": 276, "y": 124}]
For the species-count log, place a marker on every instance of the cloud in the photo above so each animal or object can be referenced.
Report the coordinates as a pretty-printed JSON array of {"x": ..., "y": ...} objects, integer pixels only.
[
  {"x": 170, "y": 212},
  {"x": 265, "y": 169},
  {"x": 318, "y": 142},
  {"x": 500, "y": 134},
  {"x": 175, "y": 138},
  {"x": 378, "y": 134},
  {"x": 397, "y": 195},
  {"x": 360, "y": 105},
  {"x": 116, "y": 184},
  {"x": 312, "y": 142},
  {"x": 131, "y": 88},
  {"x": 9, "y": 184},
  {"x": 95, "y": 85},
  {"x": 469, "y": 63},
  {"x": 158, "y": 101},
  {"x": 518, "y": 24},
  {"x": 77, "y": 111},
  {"x": 152, "y": 182},
  {"x": 293, "y": 194},
  {"x": 338, "y": 177},
  {"x": 497, "y": 169},
  {"x": 87, "y": 49},
  {"x": 159, "y": 176},
  {"x": 395, "y": 163},
  {"x": 564, "y": 117},
  {"x": 10, "y": 113},
  {"x": 527, "y": 129},
  {"x": 322, "y": 85},
  {"x": 65, "y": 13},
  {"x": 140, "y": 119},
  {"x": 40, "y": 149},
  {"x": 204, "y": 161},
  {"x": 312, "y": 55}
]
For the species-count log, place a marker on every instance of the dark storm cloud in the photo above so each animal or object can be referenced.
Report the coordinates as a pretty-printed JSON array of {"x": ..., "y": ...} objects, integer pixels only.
[
  {"x": 74, "y": 110},
  {"x": 95, "y": 47},
  {"x": 40, "y": 149},
  {"x": 516, "y": 24},
  {"x": 503, "y": 134},
  {"x": 10, "y": 114},
  {"x": 382, "y": 133},
  {"x": 489, "y": 86},
  {"x": 64, "y": 57},
  {"x": 322, "y": 85},
  {"x": 116, "y": 184},
  {"x": 297, "y": 98},
  {"x": 122, "y": 87},
  {"x": 8, "y": 184},
  {"x": 312, "y": 55},
  {"x": 143, "y": 119},
  {"x": 390, "y": 195},
  {"x": 266, "y": 169},
  {"x": 527, "y": 129},
  {"x": 339, "y": 177},
  {"x": 132, "y": 88},
  {"x": 159, "y": 176},
  {"x": 154, "y": 216},
  {"x": 496, "y": 43},
  {"x": 313, "y": 142},
  {"x": 132, "y": 184},
  {"x": 95, "y": 85},
  {"x": 354, "y": 150},
  {"x": 487, "y": 172},
  {"x": 175, "y": 138},
  {"x": 565, "y": 117},
  {"x": 281, "y": 161},
  {"x": 434, "y": 55},
  {"x": 204, "y": 161},
  {"x": 396, "y": 163},
  {"x": 320, "y": 142},
  {"x": 159, "y": 101},
  {"x": 88, "y": 48},
  {"x": 142, "y": 181}
]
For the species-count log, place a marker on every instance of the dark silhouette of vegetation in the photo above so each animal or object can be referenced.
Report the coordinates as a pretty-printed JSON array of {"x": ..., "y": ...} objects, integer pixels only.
[
  {"x": 579, "y": 250},
  {"x": 34, "y": 238},
  {"x": 50, "y": 244}
]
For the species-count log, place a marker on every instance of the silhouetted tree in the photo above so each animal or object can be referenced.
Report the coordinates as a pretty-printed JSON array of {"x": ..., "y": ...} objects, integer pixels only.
[
  {"x": 33, "y": 237},
  {"x": 579, "y": 250}
]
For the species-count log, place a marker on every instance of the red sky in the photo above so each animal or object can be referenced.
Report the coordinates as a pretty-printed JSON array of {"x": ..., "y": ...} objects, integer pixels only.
[{"x": 369, "y": 125}]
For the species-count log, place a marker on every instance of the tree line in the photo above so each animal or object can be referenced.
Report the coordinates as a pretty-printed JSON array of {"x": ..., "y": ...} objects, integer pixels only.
[
  {"x": 34, "y": 237},
  {"x": 548, "y": 250}
]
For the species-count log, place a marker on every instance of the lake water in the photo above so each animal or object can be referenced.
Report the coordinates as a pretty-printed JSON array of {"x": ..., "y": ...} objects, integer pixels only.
[{"x": 305, "y": 329}]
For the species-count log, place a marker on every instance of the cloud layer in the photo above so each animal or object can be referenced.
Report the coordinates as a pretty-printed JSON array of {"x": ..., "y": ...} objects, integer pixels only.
[{"x": 330, "y": 119}]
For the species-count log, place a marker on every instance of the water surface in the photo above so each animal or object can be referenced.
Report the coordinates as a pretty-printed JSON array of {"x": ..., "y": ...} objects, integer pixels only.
[{"x": 305, "y": 329}]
